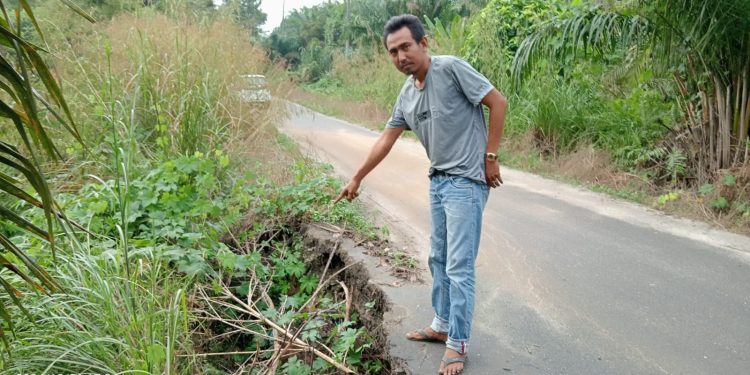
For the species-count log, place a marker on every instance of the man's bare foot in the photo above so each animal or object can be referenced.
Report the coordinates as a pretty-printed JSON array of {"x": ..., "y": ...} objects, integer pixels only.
[
  {"x": 452, "y": 362},
  {"x": 427, "y": 335}
]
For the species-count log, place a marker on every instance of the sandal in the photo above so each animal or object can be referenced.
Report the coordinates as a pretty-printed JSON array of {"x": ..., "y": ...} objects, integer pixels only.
[
  {"x": 447, "y": 361},
  {"x": 422, "y": 335}
]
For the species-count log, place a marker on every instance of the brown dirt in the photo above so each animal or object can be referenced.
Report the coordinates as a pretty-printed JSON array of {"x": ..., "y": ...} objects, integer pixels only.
[{"x": 585, "y": 163}]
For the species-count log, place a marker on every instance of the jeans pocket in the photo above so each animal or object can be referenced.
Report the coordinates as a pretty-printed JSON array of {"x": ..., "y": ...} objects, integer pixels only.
[{"x": 461, "y": 182}]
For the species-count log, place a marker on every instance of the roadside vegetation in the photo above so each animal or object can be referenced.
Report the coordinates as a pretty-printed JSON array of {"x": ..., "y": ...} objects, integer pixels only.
[
  {"x": 150, "y": 218},
  {"x": 644, "y": 100},
  {"x": 152, "y": 221}
]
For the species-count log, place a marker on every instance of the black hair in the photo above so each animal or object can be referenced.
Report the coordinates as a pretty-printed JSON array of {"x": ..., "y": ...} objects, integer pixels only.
[{"x": 396, "y": 23}]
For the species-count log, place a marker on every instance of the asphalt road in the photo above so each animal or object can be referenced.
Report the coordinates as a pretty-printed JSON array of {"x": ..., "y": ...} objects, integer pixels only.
[{"x": 569, "y": 281}]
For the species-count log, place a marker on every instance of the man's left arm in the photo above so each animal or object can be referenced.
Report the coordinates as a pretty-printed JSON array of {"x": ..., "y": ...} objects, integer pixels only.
[{"x": 497, "y": 105}]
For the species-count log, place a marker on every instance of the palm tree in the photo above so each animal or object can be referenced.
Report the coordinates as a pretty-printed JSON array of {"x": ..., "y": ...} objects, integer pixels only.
[
  {"x": 24, "y": 143},
  {"x": 704, "y": 45}
]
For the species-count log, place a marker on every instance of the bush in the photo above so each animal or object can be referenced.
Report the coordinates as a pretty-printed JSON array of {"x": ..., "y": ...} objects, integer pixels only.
[
  {"x": 565, "y": 111},
  {"x": 316, "y": 60}
]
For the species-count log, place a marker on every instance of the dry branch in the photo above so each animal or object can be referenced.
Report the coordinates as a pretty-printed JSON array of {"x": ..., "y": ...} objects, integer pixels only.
[
  {"x": 348, "y": 301},
  {"x": 251, "y": 310}
]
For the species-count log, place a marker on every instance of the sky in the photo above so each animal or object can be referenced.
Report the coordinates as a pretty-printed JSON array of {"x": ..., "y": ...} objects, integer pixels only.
[{"x": 274, "y": 8}]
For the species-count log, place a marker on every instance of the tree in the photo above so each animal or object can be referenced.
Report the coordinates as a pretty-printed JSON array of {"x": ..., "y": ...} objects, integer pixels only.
[
  {"x": 248, "y": 14},
  {"x": 301, "y": 28},
  {"x": 497, "y": 30},
  {"x": 703, "y": 45},
  {"x": 312, "y": 33},
  {"x": 106, "y": 9},
  {"x": 372, "y": 15}
]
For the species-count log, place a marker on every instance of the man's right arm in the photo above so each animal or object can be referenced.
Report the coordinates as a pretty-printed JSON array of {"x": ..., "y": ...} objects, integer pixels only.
[{"x": 379, "y": 150}]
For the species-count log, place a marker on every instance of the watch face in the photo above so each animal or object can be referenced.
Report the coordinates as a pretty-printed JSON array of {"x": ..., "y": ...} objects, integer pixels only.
[{"x": 491, "y": 157}]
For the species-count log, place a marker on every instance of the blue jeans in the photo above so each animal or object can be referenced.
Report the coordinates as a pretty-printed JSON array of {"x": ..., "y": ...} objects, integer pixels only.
[{"x": 456, "y": 205}]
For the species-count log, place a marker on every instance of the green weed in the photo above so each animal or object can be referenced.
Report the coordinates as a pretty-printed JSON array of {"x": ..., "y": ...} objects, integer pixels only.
[
  {"x": 401, "y": 259},
  {"x": 668, "y": 197}
]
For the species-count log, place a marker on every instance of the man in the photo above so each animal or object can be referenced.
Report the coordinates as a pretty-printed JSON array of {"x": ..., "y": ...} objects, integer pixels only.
[{"x": 440, "y": 103}]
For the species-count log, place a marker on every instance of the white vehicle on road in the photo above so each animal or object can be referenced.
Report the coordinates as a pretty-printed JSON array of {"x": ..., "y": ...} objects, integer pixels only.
[{"x": 254, "y": 89}]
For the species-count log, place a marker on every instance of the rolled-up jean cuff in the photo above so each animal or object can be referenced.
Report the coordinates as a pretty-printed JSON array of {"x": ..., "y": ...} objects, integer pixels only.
[
  {"x": 460, "y": 346},
  {"x": 439, "y": 325}
]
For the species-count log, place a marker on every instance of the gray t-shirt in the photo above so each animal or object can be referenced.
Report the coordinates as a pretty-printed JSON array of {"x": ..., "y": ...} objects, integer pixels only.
[{"x": 447, "y": 117}]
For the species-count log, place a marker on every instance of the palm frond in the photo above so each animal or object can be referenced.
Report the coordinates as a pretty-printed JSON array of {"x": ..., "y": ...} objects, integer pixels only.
[
  {"x": 593, "y": 30},
  {"x": 22, "y": 162}
]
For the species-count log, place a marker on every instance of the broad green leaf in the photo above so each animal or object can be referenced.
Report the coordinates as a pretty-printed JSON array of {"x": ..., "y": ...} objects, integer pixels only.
[{"x": 720, "y": 203}]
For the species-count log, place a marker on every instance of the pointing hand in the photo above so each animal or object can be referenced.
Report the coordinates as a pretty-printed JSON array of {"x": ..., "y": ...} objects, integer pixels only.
[{"x": 349, "y": 192}]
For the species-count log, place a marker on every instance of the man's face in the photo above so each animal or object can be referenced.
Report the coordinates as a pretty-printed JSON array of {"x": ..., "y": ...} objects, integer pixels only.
[{"x": 407, "y": 54}]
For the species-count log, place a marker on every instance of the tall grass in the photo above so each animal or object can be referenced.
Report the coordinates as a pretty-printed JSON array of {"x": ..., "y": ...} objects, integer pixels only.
[
  {"x": 89, "y": 328},
  {"x": 173, "y": 79},
  {"x": 564, "y": 112}
]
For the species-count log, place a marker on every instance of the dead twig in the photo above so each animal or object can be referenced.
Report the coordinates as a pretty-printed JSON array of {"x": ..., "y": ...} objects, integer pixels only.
[
  {"x": 320, "y": 286},
  {"x": 328, "y": 228},
  {"x": 223, "y": 353},
  {"x": 348, "y": 301},
  {"x": 315, "y": 293}
]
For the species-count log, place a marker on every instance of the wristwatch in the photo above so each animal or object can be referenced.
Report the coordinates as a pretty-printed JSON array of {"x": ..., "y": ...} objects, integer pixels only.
[{"x": 490, "y": 156}]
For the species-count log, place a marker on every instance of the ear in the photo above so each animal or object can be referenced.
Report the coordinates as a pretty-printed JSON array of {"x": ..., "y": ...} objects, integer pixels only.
[{"x": 424, "y": 42}]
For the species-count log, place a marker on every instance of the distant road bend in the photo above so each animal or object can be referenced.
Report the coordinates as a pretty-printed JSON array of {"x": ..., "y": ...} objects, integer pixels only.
[{"x": 569, "y": 281}]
